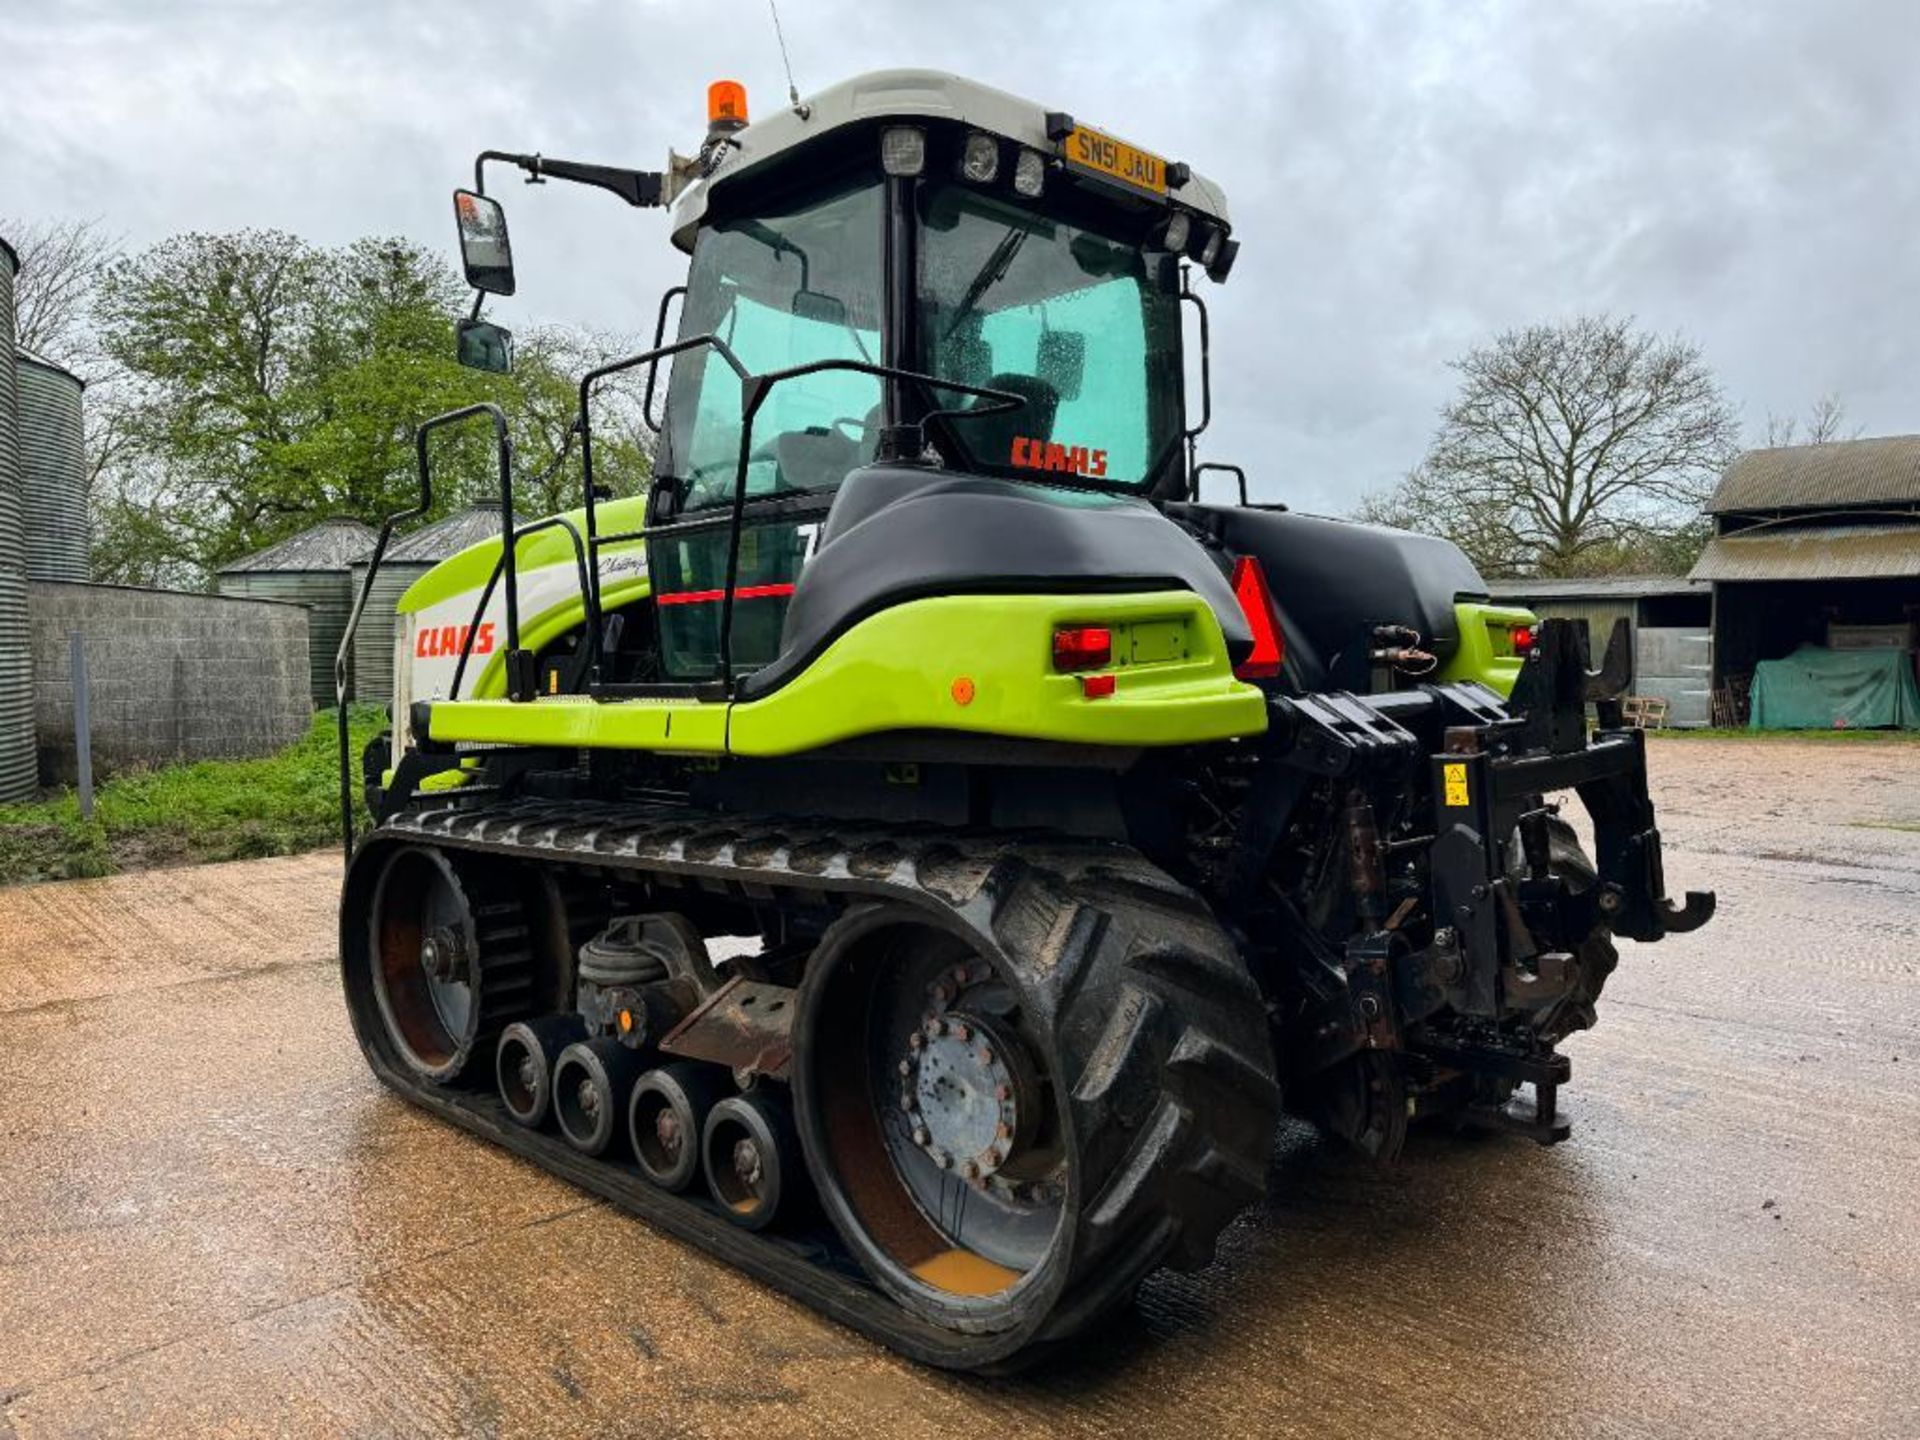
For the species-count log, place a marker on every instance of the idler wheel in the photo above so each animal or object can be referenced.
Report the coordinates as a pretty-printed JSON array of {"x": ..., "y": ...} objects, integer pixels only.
[
  {"x": 592, "y": 1080},
  {"x": 668, "y": 1117},
  {"x": 749, "y": 1152},
  {"x": 524, "y": 1064},
  {"x": 449, "y": 968}
]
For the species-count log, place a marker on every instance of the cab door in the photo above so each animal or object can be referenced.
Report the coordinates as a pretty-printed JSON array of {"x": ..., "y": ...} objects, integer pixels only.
[{"x": 796, "y": 283}]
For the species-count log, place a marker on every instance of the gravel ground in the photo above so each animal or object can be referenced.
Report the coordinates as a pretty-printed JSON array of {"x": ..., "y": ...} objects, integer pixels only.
[{"x": 212, "y": 1220}]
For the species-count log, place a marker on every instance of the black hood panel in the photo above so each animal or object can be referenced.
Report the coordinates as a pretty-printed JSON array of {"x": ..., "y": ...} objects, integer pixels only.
[{"x": 901, "y": 532}]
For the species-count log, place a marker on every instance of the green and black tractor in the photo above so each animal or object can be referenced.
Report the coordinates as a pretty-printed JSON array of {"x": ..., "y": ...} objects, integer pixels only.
[{"x": 919, "y": 849}]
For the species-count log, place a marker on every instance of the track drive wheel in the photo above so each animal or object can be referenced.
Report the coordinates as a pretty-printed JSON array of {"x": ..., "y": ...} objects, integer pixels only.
[
  {"x": 999, "y": 1160},
  {"x": 449, "y": 969}
]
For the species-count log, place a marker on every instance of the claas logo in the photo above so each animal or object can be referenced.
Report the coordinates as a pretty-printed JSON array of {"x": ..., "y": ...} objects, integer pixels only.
[
  {"x": 439, "y": 640},
  {"x": 1031, "y": 454}
]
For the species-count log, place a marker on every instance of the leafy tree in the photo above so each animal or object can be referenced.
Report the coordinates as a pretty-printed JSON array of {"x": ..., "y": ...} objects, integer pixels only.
[
  {"x": 272, "y": 383},
  {"x": 1570, "y": 449}
]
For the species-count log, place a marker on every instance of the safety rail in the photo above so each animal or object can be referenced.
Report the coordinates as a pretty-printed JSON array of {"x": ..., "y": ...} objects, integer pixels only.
[
  {"x": 521, "y": 682},
  {"x": 343, "y": 657},
  {"x": 754, "y": 391}
]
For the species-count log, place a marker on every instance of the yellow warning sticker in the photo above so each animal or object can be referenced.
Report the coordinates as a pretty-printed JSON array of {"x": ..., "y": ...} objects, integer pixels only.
[{"x": 1456, "y": 778}]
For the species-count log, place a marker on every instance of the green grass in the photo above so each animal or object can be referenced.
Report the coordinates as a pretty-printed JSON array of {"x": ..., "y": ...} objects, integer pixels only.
[
  {"x": 188, "y": 814},
  {"x": 1869, "y": 737}
]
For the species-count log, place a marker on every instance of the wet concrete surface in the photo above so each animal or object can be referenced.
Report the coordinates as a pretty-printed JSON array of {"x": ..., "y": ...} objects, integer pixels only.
[{"x": 213, "y": 1221}]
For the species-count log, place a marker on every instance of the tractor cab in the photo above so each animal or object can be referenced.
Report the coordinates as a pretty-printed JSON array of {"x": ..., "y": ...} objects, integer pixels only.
[{"x": 967, "y": 284}]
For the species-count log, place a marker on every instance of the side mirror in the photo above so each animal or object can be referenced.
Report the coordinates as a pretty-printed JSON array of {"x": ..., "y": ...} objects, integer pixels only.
[
  {"x": 484, "y": 249},
  {"x": 481, "y": 345}
]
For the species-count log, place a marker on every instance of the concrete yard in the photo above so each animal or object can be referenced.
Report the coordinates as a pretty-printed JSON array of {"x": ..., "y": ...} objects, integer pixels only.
[{"x": 214, "y": 1221}]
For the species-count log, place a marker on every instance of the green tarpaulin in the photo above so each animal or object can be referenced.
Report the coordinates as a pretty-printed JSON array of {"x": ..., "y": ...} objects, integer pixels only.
[{"x": 1819, "y": 689}]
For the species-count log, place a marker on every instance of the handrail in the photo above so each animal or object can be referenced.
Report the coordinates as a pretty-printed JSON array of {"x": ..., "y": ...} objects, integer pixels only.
[
  {"x": 755, "y": 389},
  {"x": 585, "y": 422},
  {"x": 486, "y": 592},
  {"x": 345, "y": 652}
]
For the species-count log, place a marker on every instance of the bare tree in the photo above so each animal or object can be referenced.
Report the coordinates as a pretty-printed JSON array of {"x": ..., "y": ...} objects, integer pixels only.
[
  {"x": 1568, "y": 447},
  {"x": 1826, "y": 423},
  {"x": 61, "y": 262}
]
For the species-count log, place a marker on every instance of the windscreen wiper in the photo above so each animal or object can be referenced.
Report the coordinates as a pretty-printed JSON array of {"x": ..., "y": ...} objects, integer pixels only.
[{"x": 991, "y": 274}]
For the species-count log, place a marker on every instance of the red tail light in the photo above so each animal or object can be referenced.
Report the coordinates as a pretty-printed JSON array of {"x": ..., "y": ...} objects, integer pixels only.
[
  {"x": 1522, "y": 637},
  {"x": 1082, "y": 647},
  {"x": 1256, "y": 603}
]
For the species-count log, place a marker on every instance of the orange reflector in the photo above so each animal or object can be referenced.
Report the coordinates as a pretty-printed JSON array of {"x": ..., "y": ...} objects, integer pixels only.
[
  {"x": 1256, "y": 603},
  {"x": 726, "y": 103},
  {"x": 626, "y": 1021},
  {"x": 1096, "y": 687},
  {"x": 962, "y": 691},
  {"x": 1082, "y": 647}
]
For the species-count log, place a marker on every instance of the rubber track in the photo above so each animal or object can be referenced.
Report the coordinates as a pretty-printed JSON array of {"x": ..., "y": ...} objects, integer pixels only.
[{"x": 1158, "y": 1033}]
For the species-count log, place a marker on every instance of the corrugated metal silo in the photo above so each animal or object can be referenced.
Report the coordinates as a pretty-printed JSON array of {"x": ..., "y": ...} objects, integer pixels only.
[
  {"x": 313, "y": 568},
  {"x": 407, "y": 559},
  {"x": 19, "y": 766},
  {"x": 53, "y": 468}
]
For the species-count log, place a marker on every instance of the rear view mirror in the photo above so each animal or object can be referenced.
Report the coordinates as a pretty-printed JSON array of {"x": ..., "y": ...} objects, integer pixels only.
[
  {"x": 484, "y": 250},
  {"x": 1062, "y": 361},
  {"x": 813, "y": 305},
  {"x": 480, "y": 345}
]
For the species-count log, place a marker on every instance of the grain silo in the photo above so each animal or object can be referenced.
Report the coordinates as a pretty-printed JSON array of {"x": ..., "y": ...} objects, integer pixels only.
[
  {"x": 19, "y": 764},
  {"x": 314, "y": 569},
  {"x": 53, "y": 469},
  {"x": 406, "y": 560}
]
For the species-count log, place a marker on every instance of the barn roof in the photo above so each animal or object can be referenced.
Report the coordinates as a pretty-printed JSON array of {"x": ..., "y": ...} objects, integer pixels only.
[
  {"x": 433, "y": 543},
  {"x": 331, "y": 545},
  {"x": 1884, "y": 470},
  {"x": 1813, "y": 552},
  {"x": 1594, "y": 587}
]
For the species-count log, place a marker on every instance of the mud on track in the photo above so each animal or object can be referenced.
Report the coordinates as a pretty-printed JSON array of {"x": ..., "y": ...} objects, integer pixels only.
[{"x": 212, "y": 1220}]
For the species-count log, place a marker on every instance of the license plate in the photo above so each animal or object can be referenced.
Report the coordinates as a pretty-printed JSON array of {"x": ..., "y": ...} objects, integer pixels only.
[{"x": 1111, "y": 159}]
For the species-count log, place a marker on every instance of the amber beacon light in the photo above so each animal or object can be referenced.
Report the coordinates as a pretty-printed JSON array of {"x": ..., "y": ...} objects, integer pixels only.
[{"x": 726, "y": 105}]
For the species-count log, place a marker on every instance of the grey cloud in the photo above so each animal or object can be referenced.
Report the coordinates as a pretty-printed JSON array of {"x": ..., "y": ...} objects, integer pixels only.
[{"x": 1407, "y": 177}]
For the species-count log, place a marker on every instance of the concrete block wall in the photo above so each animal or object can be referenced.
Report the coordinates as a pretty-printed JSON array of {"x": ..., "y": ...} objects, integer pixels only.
[{"x": 172, "y": 675}]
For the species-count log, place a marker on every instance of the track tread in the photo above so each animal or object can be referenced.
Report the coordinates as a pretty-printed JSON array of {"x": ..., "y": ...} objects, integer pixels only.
[{"x": 1173, "y": 1099}]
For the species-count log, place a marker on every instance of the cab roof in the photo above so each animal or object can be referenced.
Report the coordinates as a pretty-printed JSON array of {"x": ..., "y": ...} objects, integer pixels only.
[{"x": 882, "y": 95}]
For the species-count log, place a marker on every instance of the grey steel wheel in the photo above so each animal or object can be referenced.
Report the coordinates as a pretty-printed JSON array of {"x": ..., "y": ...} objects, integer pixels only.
[{"x": 934, "y": 1125}]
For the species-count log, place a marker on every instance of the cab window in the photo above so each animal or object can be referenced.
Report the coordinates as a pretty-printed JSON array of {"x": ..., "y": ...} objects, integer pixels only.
[{"x": 782, "y": 288}]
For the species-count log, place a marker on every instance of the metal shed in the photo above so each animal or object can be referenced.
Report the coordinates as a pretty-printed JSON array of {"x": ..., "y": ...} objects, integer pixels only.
[
  {"x": 18, "y": 761},
  {"x": 313, "y": 568},
  {"x": 406, "y": 560},
  {"x": 1668, "y": 616},
  {"x": 1813, "y": 545},
  {"x": 53, "y": 465}
]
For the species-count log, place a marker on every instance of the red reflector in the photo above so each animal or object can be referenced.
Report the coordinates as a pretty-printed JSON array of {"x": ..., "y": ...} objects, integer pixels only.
[
  {"x": 1256, "y": 603},
  {"x": 1082, "y": 647},
  {"x": 1096, "y": 687},
  {"x": 1522, "y": 639}
]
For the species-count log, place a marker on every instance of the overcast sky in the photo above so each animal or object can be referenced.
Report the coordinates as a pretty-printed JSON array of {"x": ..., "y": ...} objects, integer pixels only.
[{"x": 1406, "y": 178}]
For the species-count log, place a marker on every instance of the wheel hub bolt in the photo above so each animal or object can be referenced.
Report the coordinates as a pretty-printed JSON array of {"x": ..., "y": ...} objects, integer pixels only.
[
  {"x": 589, "y": 1098},
  {"x": 746, "y": 1162},
  {"x": 529, "y": 1072},
  {"x": 667, "y": 1127}
]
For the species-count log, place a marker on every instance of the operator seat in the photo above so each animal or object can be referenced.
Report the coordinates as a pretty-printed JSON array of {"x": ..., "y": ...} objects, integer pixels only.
[{"x": 991, "y": 436}]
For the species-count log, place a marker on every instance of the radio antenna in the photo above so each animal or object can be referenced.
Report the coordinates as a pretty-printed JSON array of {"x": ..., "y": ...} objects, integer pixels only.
[{"x": 793, "y": 91}]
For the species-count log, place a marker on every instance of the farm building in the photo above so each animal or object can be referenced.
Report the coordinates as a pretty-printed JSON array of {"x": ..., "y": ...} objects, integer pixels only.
[
  {"x": 314, "y": 569},
  {"x": 1668, "y": 618},
  {"x": 1814, "y": 566}
]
